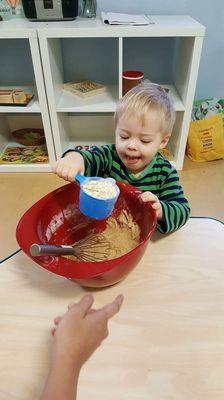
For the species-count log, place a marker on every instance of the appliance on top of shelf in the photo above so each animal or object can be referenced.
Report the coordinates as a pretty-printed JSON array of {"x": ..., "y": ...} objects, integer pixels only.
[{"x": 50, "y": 10}]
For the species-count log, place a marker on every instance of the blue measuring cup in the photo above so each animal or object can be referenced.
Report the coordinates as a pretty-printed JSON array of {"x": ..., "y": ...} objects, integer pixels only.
[{"x": 92, "y": 206}]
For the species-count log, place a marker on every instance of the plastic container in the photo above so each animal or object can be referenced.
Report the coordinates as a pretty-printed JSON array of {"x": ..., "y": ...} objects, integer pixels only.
[
  {"x": 131, "y": 79},
  {"x": 89, "y": 8},
  {"x": 94, "y": 207}
]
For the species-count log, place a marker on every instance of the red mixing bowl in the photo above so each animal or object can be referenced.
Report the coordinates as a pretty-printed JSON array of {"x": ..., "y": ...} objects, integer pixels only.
[{"x": 56, "y": 219}]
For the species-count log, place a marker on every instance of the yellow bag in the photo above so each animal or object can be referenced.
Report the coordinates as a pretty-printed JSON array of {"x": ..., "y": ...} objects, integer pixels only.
[{"x": 206, "y": 139}]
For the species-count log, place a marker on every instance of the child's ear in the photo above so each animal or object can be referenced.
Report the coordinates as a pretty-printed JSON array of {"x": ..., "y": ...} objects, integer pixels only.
[{"x": 164, "y": 141}]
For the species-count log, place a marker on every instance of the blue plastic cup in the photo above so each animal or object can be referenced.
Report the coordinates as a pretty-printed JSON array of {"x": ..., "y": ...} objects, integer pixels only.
[{"x": 91, "y": 206}]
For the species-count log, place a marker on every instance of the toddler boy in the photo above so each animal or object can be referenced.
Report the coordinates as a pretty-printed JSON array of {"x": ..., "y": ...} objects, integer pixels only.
[{"x": 144, "y": 120}]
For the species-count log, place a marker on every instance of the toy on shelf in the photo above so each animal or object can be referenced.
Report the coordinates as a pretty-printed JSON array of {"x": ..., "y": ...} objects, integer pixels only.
[
  {"x": 14, "y": 97},
  {"x": 85, "y": 88}
]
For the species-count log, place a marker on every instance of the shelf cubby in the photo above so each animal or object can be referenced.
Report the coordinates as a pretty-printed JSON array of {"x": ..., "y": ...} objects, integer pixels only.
[{"x": 21, "y": 68}]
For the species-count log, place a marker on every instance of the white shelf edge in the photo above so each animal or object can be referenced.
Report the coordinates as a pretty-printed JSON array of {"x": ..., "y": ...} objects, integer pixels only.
[
  {"x": 19, "y": 28},
  {"x": 25, "y": 167},
  {"x": 101, "y": 103},
  {"x": 87, "y": 110},
  {"x": 165, "y": 25},
  {"x": 104, "y": 102}
]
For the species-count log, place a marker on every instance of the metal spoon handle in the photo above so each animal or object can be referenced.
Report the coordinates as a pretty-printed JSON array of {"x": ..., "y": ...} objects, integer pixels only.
[{"x": 49, "y": 249}]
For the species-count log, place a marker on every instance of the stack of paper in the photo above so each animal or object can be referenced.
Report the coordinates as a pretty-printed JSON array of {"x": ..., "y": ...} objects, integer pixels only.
[{"x": 125, "y": 19}]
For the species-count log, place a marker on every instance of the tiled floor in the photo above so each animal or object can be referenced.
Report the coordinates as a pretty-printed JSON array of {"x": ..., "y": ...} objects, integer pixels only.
[{"x": 203, "y": 185}]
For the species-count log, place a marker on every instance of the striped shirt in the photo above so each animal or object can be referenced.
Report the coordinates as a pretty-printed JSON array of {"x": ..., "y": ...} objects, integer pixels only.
[{"x": 159, "y": 177}]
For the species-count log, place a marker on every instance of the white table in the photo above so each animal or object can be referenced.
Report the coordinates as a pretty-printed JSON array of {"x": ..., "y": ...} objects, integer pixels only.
[{"x": 167, "y": 342}]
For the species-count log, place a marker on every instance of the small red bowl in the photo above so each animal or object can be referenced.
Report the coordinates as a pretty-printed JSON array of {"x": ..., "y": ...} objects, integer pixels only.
[
  {"x": 29, "y": 136},
  {"x": 53, "y": 218}
]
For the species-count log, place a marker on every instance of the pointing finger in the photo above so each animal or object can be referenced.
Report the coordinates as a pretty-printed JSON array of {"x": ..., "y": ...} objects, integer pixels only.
[
  {"x": 85, "y": 304},
  {"x": 112, "y": 308}
]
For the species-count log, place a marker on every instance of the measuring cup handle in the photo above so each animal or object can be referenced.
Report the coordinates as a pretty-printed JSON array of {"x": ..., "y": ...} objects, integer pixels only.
[{"x": 80, "y": 178}]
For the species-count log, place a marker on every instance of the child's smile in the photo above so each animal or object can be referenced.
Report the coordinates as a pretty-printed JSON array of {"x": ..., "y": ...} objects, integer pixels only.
[{"x": 132, "y": 160}]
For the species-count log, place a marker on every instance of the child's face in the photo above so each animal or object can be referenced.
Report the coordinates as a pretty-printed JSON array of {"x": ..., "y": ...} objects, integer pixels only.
[{"x": 137, "y": 143}]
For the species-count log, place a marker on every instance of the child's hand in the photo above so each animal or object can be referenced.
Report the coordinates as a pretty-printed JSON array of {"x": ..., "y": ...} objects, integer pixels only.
[
  {"x": 81, "y": 329},
  {"x": 153, "y": 199},
  {"x": 69, "y": 166}
]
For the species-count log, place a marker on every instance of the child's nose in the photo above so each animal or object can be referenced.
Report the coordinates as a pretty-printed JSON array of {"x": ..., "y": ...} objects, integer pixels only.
[{"x": 132, "y": 144}]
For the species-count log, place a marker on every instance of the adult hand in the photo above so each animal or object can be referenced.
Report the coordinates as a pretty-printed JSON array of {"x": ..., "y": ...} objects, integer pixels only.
[
  {"x": 81, "y": 329},
  {"x": 76, "y": 335}
]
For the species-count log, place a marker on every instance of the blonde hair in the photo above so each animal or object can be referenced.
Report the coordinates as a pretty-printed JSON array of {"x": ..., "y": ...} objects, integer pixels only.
[{"x": 145, "y": 98}]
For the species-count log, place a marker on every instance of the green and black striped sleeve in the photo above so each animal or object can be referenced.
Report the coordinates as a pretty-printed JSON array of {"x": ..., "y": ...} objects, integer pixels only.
[
  {"x": 176, "y": 210},
  {"x": 98, "y": 160}
]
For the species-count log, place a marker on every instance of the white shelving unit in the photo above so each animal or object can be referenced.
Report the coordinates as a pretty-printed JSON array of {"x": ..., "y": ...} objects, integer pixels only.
[
  {"x": 168, "y": 52},
  {"x": 19, "y": 51},
  {"x": 88, "y": 49}
]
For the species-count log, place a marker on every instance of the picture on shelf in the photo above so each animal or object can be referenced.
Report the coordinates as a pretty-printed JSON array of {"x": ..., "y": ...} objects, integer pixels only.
[
  {"x": 10, "y": 9},
  {"x": 84, "y": 88},
  {"x": 24, "y": 155}
]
